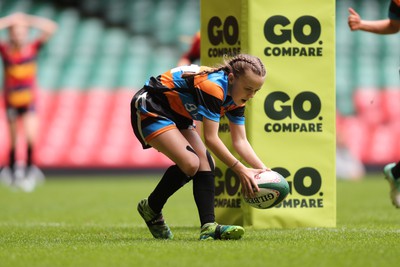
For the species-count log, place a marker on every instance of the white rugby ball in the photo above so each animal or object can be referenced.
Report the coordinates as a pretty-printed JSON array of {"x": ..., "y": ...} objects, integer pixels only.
[{"x": 273, "y": 189}]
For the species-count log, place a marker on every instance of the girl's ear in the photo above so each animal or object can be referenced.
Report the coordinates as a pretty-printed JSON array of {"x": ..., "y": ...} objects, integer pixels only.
[{"x": 231, "y": 78}]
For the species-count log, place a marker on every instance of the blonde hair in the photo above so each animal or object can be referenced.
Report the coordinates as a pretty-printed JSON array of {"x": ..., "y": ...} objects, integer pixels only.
[{"x": 236, "y": 65}]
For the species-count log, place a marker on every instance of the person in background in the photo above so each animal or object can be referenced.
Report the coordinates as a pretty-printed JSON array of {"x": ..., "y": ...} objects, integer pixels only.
[
  {"x": 19, "y": 57},
  {"x": 348, "y": 165},
  {"x": 193, "y": 54},
  {"x": 162, "y": 117},
  {"x": 389, "y": 25}
]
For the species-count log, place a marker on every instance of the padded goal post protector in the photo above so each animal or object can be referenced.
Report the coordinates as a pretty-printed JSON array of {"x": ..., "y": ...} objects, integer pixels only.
[{"x": 291, "y": 121}]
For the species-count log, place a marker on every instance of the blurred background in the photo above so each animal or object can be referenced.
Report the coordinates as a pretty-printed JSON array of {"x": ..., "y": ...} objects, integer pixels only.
[{"x": 104, "y": 50}]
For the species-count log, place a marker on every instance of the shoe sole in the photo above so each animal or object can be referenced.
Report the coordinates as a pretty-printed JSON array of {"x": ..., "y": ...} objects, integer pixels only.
[
  {"x": 393, "y": 190},
  {"x": 140, "y": 210},
  {"x": 154, "y": 232},
  {"x": 234, "y": 234}
]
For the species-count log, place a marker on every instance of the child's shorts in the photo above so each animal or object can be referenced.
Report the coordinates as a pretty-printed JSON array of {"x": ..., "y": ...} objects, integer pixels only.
[{"x": 150, "y": 119}]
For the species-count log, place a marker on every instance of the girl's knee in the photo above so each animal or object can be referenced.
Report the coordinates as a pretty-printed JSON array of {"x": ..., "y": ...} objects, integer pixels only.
[{"x": 191, "y": 167}]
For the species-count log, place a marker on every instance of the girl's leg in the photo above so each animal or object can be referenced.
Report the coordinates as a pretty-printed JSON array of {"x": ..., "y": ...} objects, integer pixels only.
[
  {"x": 188, "y": 151},
  {"x": 30, "y": 123},
  {"x": 174, "y": 145},
  {"x": 204, "y": 194},
  {"x": 203, "y": 180},
  {"x": 172, "y": 180},
  {"x": 12, "y": 126}
]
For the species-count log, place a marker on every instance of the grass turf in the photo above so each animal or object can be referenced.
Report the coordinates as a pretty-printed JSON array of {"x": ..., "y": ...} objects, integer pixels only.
[{"x": 93, "y": 222}]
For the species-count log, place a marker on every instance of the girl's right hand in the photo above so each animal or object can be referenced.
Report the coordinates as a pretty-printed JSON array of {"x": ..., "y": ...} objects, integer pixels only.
[
  {"x": 246, "y": 176},
  {"x": 354, "y": 20}
]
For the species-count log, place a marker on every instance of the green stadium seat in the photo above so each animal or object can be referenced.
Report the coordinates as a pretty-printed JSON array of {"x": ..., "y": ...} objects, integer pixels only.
[
  {"x": 60, "y": 44},
  {"x": 344, "y": 85},
  {"x": 134, "y": 63},
  {"x": 188, "y": 19},
  {"x": 91, "y": 7},
  {"x": 367, "y": 73},
  {"x": 18, "y": 6},
  {"x": 152, "y": 34},
  {"x": 163, "y": 20},
  {"x": 140, "y": 17},
  {"x": 43, "y": 9},
  {"x": 132, "y": 72},
  {"x": 113, "y": 42},
  {"x": 48, "y": 74},
  {"x": 75, "y": 73},
  {"x": 104, "y": 73},
  {"x": 116, "y": 13},
  {"x": 390, "y": 71},
  {"x": 162, "y": 59}
]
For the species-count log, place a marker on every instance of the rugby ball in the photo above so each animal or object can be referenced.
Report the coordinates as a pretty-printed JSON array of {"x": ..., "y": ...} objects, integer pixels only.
[{"x": 273, "y": 189}]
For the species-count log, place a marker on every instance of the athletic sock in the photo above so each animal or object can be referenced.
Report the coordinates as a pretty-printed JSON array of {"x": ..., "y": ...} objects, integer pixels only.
[
  {"x": 204, "y": 194},
  {"x": 11, "y": 159},
  {"x": 172, "y": 180},
  {"x": 29, "y": 156},
  {"x": 396, "y": 170}
]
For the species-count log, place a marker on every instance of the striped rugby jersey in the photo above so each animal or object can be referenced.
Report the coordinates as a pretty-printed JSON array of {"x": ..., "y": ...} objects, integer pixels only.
[
  {"x": 20, "y": 69},
  {"x": 195, "y": 98}
]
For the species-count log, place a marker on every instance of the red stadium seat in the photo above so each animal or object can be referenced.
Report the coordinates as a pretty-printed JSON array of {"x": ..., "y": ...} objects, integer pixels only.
[
  {"x": 390, "y": 103},
  {"x": 88, "y": 130},
  {"x": 356, "y": 134},
  {"x": 381, "y": 146},
  {"x": 368, "y": 105},
  {"x": 92, "y": 129}
]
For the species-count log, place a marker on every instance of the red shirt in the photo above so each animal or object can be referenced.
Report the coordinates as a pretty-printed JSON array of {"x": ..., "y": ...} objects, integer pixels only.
[
  {"x": 194, "y": 51},
  {"x": 20, "y": 73}
]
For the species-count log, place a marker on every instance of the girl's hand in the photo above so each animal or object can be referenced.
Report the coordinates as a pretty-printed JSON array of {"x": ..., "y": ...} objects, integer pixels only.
[
  {"x": 246, "y": 176},
  {"x": 354, "y": 20}
]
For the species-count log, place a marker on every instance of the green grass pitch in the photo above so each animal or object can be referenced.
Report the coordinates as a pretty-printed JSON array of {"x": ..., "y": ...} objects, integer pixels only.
[{"x": 93, "y": 221}]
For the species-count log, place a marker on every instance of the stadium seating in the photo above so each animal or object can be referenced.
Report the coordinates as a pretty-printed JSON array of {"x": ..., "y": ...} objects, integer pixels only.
[
  {"x": 372, "y": 133},
  {"x": 102, "y": 52},
  {"x": 105, "y": 49},
  {"x": 367, "y": 84}
]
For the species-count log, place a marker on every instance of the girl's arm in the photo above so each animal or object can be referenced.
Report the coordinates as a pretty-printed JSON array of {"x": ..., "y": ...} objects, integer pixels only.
[
  {"x": 385, "y": 26},
  {"x": 46, "y": 26},
  {"x": 243, "y": 147},
  {"x": 6, "y": 22},
  {"x": 215, "y": 144}
]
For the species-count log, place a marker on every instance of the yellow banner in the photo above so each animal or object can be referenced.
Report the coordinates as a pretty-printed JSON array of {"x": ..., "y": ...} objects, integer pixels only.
[
  {"x": 291, "y": 121},
  {"x": 222, "y": 34}
]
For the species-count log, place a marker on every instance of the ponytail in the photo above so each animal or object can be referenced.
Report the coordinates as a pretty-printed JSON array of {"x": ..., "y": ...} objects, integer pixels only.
[{"x": 236, "y": 65}]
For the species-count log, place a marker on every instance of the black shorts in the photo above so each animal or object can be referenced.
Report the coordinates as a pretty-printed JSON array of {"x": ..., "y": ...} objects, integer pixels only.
[
  {"x": 14, "y": 112},
  {"x": 149, "y": 119}
]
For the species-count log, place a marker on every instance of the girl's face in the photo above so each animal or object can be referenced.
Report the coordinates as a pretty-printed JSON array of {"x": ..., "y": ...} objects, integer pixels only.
[
  {"x": 18, "y": 34},
  {"x": 397, "y": 2},
  {"x": 244, "y": 87}
]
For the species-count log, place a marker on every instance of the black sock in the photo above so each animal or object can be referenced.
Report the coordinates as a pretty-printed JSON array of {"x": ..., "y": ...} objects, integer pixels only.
[
  {"x": 172, "y": 180},
  {"x": 204, "y": 193},
  {"x": 11, "y": 159},
  {"x": 29, "y": 156},
  {"x": 396, "y": 170}
]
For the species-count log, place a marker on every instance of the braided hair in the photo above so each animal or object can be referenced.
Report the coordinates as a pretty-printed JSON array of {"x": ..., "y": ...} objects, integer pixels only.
[{"x": 236, "y": 65}]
